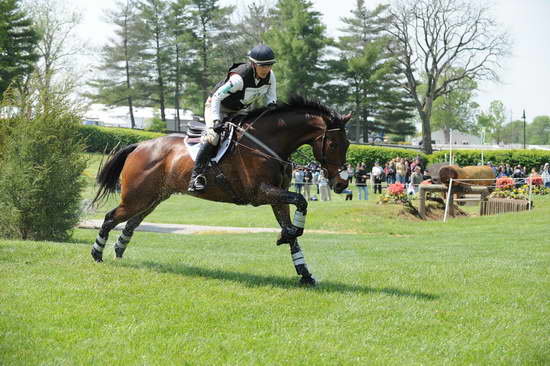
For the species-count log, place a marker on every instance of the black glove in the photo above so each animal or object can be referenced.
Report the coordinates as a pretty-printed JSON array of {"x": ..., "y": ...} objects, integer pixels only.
[{"x": 218, "y": 126}]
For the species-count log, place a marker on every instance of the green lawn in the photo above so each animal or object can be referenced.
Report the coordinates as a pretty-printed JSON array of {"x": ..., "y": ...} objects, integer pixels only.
[
  {"x": 471, "y": 291},
  {"x": 392, "y": 291}
]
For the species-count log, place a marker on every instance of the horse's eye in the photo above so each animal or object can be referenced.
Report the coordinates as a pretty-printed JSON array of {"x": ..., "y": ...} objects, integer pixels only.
[{"x": 333, "y": 146}]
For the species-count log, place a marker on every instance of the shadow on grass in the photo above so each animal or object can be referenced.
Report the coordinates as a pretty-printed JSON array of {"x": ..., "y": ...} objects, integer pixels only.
[{"x": 254, "y": 280}]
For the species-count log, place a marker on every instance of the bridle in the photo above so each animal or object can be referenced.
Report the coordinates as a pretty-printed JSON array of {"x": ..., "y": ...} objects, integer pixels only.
[{"x": 323, "y": 160}]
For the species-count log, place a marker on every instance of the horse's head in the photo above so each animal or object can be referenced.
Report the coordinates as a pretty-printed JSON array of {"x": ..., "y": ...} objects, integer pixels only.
[{"x": 330, "y": 150}]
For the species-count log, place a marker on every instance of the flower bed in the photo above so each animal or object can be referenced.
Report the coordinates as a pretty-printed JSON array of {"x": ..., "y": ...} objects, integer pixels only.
[{"x": 395, "y": 194}]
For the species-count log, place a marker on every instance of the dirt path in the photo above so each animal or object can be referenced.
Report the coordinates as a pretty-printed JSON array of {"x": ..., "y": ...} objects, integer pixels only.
[{"x": 181, "y": 229}]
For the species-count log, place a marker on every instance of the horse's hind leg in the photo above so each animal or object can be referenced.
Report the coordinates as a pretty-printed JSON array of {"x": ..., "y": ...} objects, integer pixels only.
[
  {"x": 109, "y": 223},
  {"x": 282, "y": 213},
  {"x": 131, "y": 225},
  {"x": 114, "y": 217}
]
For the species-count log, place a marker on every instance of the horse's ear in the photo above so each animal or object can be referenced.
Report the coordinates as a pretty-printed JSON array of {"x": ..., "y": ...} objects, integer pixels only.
[{"x": 346, "y": 118}]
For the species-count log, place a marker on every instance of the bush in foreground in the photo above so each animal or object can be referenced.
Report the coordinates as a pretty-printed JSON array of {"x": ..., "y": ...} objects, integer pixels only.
[{"x": 41, "y": 166}]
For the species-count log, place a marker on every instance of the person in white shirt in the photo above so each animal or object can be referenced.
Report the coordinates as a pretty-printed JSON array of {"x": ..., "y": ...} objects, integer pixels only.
[
  {"x": 244, "y": 84},
  {"x": 377, "y": 173}
]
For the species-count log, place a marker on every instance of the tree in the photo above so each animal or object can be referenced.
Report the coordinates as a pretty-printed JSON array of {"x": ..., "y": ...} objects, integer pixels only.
[
  {"x": 493, "y": 121},
  {"x": 456, "y": 110},
  {"x": 444, "y": 41},
  {"x": 120, "y": 61},
  {"x": 208, "y": 42},
  {"x": 512, "y": 133},
  {"x": 18, "y": 41},
  {"x": 372, "y": 83},
  {"x": 153, "y": 15},
  {"x": 56, "y": 28},
  {"x": 538, "y": 132},
  {"x": 252, "y": 28},
  {"x": 298, "y": 40}
]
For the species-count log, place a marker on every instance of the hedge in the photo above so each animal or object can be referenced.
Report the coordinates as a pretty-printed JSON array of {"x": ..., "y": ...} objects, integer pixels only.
[
  {"x": 104, "y": 139},
  {"x": 528, "y": 158}
]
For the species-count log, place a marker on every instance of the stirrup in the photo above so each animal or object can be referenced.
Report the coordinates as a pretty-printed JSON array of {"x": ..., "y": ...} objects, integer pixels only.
[{"x": 197, "y": 184}]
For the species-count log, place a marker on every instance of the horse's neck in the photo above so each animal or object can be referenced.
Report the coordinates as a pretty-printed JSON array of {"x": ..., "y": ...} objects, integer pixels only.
[{"x": 285, "y": 134}]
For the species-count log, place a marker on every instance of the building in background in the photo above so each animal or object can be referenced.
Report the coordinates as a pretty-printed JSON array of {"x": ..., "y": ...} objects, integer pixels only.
[{"x": 103, "y": 115}]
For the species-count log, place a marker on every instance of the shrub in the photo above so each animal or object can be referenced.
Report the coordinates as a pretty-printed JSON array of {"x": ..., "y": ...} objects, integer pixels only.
[
  {"x": 528, "y": 158},
  {"x": 41, "y": 167},
  {"x": 104, "y": 139}
]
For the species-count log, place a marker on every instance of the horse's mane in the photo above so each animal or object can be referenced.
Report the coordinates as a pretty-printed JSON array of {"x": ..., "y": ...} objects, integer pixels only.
[{"x": 295, "y": 102}]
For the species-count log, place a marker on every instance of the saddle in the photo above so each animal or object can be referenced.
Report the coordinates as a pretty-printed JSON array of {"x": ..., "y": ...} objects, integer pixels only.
[{"x": 194, "y": 132}]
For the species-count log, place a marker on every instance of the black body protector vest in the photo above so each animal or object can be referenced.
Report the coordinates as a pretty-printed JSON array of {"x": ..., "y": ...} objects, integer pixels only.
[{"x": 236, "y": 101}]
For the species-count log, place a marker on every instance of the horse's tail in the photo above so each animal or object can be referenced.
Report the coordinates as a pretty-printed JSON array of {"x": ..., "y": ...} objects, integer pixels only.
[{"x": 107, "y": 178}]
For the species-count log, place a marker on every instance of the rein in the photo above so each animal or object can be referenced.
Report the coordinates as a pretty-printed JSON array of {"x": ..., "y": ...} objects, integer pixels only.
[{"x": 272, "y": 154}]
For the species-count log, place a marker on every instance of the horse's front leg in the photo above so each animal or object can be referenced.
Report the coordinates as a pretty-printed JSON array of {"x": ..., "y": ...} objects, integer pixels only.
[
  {"x": 282, "y": 213},
  {"x": 280, "y": 200}
]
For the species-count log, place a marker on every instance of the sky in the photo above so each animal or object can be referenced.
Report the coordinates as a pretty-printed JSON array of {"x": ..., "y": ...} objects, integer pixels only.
[{"x": 525, "y": 75}]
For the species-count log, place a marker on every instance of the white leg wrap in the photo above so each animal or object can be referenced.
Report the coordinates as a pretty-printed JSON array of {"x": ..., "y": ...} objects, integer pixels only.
[
  {"x": 98, "y": 248},
  {"x": 100, "y": 240},
  {"x": 122, "y": 241},
  {"x": 298, "y": 258},
  {"x": 299, "y": 219}
]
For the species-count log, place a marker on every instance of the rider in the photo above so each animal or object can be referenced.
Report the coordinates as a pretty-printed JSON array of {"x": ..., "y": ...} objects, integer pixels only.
[{"x": 244, "y": 83}]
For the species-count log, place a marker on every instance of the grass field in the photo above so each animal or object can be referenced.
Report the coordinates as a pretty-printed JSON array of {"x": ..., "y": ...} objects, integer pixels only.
[{"x": 392, "y": 291}]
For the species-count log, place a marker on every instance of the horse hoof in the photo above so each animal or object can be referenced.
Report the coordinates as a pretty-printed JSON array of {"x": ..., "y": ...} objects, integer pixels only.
[
  {"x": 97, "y": 255},
  {"x": 308, "y": 281},
  {"x": 119, "y": 252}
]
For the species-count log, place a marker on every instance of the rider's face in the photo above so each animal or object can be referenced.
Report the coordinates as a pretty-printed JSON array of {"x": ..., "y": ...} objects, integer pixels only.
[{"x": 262, "y": 70}]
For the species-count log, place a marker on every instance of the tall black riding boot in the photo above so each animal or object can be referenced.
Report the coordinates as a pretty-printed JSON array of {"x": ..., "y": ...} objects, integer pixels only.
[{"x": 197, "y": 183}]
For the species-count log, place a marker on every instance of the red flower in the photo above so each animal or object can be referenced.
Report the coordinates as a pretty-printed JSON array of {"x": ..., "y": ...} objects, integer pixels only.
[
  {"x": 505, "y": 182},
  {"x": 396, "y": 189},
  {"x": 537, "y": 180}
]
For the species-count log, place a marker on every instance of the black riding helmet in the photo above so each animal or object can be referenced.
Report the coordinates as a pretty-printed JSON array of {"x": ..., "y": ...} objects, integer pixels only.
[{"x": 262, "y": 55}]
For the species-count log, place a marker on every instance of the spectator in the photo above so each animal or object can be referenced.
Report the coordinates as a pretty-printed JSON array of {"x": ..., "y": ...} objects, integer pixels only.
[
  {"x": 351, "y": 172},
  {"x": 377, "y": 175},
  {"x": 400, "y": 171},
  {"x": 298, "y": 180},
  {"x": 315, "y": 179},
  {"x": 501, "y": 172},
  {"x": 390, "y": 172},
  {"x": 308, "y": 178},
  {"x": 546, "y": 175},
  {"x": 361, "y": 182},
  {"x": 323, "y": 187},
  {"x": 518, "y": 176},
  {"x": 509, "y": 171},
  {"x": 416, "y": 178}
]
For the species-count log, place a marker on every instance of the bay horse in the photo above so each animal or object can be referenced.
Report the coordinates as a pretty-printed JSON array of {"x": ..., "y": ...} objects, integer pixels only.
[{"x": 255, "y": 171}]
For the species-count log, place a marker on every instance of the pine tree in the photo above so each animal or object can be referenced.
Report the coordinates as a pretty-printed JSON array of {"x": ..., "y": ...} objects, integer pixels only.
[
  {"x": 119, "y": 61},
  {"x": 209, "y": 38},
  {"x": 299, "y": 42},
  {"x": 371, "y": 74},
  {"x": 154, "y": 34},
  {"x": 18, "y": 41}
]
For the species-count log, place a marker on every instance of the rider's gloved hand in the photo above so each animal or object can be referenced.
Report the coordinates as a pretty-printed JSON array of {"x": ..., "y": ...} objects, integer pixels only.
[{"x": 218, "y": 126}]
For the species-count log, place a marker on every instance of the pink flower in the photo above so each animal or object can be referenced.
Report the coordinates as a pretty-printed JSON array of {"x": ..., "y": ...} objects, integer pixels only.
[
  {"x": 505, "y": 182},
  {"x": 396, "y": 189}
]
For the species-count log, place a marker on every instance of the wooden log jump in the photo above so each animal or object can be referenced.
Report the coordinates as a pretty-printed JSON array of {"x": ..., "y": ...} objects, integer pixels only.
[
  {"x": 441, "y": 188},
  {"x": 496, "y": 206}
]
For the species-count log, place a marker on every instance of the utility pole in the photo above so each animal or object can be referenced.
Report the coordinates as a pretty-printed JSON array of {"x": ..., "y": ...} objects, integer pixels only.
[{"x": 523, "y": 116}]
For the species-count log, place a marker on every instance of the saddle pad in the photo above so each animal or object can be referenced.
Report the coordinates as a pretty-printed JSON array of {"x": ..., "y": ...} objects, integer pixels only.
[{"x": 193, "y": 146}]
